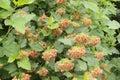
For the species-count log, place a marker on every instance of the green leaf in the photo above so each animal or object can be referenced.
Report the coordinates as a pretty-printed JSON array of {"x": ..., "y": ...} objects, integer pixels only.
[
  {"x": 22, "y": 2},
  {"x": 46, "y": 33},
  {"x": 1, "y": 26},
  {"x": 118, "y": 38},
  {"x": 4, "y": 13},
  {"x": 5, "y": 4},
  {"x": 90, "y": 5},
  {"x": 1, "y": 52},
  {"x": 10, "y": 67},
  {"x": 53, "y": 26},
  {"x": 113, "y": 24},
  {"x": 69, "y": 30},
  {"x": 10, "y": 49},
  {"x": 36, "y": 46},
  {"x": 55, "y": 78},
  {"x": 59, "y": 46},
  {"x": 67, "y": 41},
  {"x": 24, "y": 63},
  {"x": 18, "y": 21},
  {"x": 68, "y": 74},
  {"x": 81, "y": 66},
  {"x": 50, "y": 20},
  {"x": 12, "y": 58}
]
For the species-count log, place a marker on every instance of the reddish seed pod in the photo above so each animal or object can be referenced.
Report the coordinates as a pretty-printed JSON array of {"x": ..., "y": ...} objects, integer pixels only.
[
  {"x": 77, "y": 16},
  {"x": 64, "y": 23},
  {"x": 81, "y": 38},
  {"x": 57, "y": 32},
  {"x": 60, "y": 11},
  {"x": 43, "y": 72},
  {"x": 87, "y": 22},
  {"x": 76, "y": 52},
  {"x": 65, "y": 65},
  {"x": 49, "y": 55},
  {"x": 99, "y": 55},
  {"x": 96, "y": 72},
  {"x": 61, "y": 2},
  {"x": 94, "y": 41}
]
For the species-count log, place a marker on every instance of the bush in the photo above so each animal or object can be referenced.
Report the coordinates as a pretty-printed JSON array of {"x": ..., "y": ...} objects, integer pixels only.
[{"x": 58, "y": 40}]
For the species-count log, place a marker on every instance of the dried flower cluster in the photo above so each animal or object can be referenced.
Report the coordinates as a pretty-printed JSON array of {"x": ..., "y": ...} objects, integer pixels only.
[
  {"x": 65, "y": 65},
  {"x": 77, "y": 16},
  {"x": 75, "y": 25},
  {"x": 41, "y": 19},
  {"x": 76, "y": 52},
  {"x": 43, "y": 72},
  {"x": 64, "y": 23},
  {"x": 49, "y": 54},
  {"x": 87, "y": 22},
  {"x": 61, "y": 2},
  {"x": 96, "y": 72},
  {"x": 57, "y": 32},
  {"x": 60, "y": 11},
  {"x": 94, "y": 40},
  {"x": 81, "y": 38},
  {"x": 99, "y": 55},
  {"x": 23, "y": 77}
]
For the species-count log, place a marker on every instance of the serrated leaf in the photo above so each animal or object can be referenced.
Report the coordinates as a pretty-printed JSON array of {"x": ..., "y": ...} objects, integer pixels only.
[
  {"x": 36, "y": 46},
  {"x": 24, "y": 63},
  {"x": 46, "y": 33},
  {"x": 10, "y": 67},
  {"x": 12, "y": 58},
  {"x": 69, "y": 30},
  {"x": 68, "y": 74},
  {"x": 5, "y": 4},
  {"x": 22, "y": 2},
  {"x": 67, "y": 41},
  {"x": 50, "y": 20},
  {"x": 18, "y": 21},
  {"x": 90, "y": 5},
  {"x": 59, "y": 46},
  {"x": 113, "y": 24},
  {"x": 81, "y": 66},
  {"x": 55, "y": 78},
  {"x": 53, "y": 26}
]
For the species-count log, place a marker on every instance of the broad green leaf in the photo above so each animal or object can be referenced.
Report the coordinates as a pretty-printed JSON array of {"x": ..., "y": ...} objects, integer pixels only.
[
  {"x": 46, "y": 33},
  {"x": 10, "y": 67},
  {"x": 67, "y": 41},
  {"x": 90, "y": 5},
  {"x": 68, "y": 74},
  {"x": 22, "y": 2},
  {"x": 113, "y": 24},
  {"x": 53, "y": 26},
  {"x": 118, "y": 38},
  {"x": 10, "y": 49},
  {"x": 1, "y": 26},
  {"x": 4, "y": 13},
  {"x": 12, "y": 58},
  {"x": 18, "y": 21},
  {"x": 5, "y": 4},
  {"x": 55, "y": 78},
  {"x": 1, "y": 52},
  {"x": 24, "y": 63},
  {"x": 69, "y": 30},
  {"x": 59, "y": 46},
  {"x": 80, "y": 66},
  {"x": 36, "y": 46},
  {"x": 50, "y": 20}
]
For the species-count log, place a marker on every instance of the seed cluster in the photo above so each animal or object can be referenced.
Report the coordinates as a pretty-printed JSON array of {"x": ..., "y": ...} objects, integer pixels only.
[
  {"x": 43, "y": 72},
  {"x": 81, "y": 38},
  {"x": 49, "y": 55},
  {"x": 77, "y": 16},
  {"x": 99, "y": 55},
  {"x": 57, "y": 32},
  {"x": 96, "y": 72},
  {"x": 61, "y": 2},
  {"x": 94, "y": 41},
  {"x": 75, "y": 25},
  {"x": 60, "y": 11},
  {"x": 87, "y": 22},
  {"x": 23, "y": 77},
  {"x": 41, "y": 19},
  {"x": 64, "y": 23},
  {"x": 65, "y": 65},
  {"x": 76, "y": 52}
]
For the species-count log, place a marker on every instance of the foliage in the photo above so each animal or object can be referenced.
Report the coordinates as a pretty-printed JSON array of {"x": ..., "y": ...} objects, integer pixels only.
[{"x": 59, "y": 40}]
